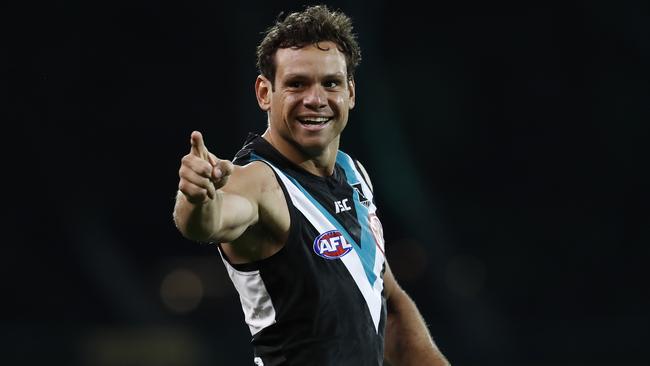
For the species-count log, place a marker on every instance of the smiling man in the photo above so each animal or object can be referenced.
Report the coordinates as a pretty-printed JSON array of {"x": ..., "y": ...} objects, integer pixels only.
[{"x": 294, "y": 217}]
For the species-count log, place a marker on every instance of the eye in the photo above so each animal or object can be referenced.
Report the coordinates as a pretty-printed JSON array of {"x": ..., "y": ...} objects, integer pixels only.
[
  {"x": 295, "y": 84},
  {"x": 331, "y": 84}
]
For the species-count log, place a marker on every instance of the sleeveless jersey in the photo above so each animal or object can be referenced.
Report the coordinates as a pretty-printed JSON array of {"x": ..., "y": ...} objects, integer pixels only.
[{"x": 320, "y": 299}]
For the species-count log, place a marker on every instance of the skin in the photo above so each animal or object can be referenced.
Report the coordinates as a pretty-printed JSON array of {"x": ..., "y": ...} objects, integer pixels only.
[
  {"x": 244, "y": 207},
  {"x": 309, "y": 82}
]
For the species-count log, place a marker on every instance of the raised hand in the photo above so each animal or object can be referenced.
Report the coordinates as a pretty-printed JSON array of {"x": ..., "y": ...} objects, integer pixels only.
[{"x": 201, "y": 172}]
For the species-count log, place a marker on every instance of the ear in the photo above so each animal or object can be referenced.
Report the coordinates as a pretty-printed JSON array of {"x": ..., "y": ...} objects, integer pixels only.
[
  {"x": 352, "y": 92},
  {"x": 263, "y": 92}
]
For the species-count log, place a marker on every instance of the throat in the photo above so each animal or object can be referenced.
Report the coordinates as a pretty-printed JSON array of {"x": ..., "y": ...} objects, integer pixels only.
[{"x": 320, "y": 163}]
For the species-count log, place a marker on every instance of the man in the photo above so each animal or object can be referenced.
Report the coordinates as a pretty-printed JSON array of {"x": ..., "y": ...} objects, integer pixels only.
[{"x": 295, "y": 218}]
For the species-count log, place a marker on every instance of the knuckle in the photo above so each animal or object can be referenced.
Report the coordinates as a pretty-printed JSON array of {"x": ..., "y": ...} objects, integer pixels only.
[
  {"x": 184, "y": 187},
  {"x": 182, "y": 170},
  {"x": 192, "y": 192},
  {"x": 184, "y": 173}
]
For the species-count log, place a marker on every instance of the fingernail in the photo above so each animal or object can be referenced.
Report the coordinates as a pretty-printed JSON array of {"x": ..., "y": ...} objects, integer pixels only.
[{"x": 217, "y": 173}]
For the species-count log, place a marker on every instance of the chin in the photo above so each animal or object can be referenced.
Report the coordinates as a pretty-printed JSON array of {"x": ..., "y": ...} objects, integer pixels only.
[{"x": 312, "y": 145}]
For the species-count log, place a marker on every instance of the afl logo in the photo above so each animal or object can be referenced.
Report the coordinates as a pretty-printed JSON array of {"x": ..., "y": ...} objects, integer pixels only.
[{"x": 331, "y": 245}]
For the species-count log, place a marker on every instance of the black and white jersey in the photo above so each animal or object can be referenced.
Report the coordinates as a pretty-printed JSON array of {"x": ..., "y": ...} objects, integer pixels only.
[{"x": 320, "y": 299}]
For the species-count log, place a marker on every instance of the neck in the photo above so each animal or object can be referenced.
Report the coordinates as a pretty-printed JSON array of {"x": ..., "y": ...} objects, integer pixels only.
[{"x": 320, "y": 162}]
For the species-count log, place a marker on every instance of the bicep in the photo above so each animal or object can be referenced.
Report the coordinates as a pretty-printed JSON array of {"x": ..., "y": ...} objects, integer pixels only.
[
  {"x": 240, "y": 201},
  {"x": 238, "y": 212}
]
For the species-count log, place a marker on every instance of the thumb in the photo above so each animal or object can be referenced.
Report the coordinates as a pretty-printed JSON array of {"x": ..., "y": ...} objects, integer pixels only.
[
  {"x": 223, "y": 169},
  {"x": 198, "y": 146}
]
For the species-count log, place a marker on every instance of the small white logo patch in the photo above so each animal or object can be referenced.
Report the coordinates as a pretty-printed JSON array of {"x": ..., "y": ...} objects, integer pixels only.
[
  {"x": 342, "y": 205},
  {"x": 258, "y": 361}
]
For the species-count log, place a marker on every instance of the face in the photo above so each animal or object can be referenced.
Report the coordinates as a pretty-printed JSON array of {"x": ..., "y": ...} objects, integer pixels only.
[{"x": 312, "y": 98}]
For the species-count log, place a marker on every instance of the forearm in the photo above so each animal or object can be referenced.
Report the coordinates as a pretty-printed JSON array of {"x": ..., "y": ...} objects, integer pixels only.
[
  {"x": 407, "y": 339},
  {"x": 198, "y": 222}
]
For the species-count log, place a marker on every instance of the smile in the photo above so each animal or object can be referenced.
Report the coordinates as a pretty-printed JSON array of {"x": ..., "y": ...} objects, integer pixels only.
[
  {"x": 314, "y": 120},
  {"x": 314, "y": 123}
]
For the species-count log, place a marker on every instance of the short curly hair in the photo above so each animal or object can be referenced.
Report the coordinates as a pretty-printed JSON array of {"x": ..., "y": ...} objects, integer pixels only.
[{"x": 312, "y": 25}]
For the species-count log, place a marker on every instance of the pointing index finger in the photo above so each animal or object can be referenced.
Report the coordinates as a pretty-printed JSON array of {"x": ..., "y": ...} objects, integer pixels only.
[{"x": 198, "y": 146}]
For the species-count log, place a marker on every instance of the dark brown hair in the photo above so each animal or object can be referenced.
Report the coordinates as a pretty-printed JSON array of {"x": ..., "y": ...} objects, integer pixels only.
[{"x": 312, "y": 25}]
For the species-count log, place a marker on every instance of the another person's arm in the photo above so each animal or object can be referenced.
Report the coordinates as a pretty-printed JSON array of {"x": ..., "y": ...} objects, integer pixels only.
[
  {"x": 216, "y": 201},
  {"x": 407, "y": 340}
]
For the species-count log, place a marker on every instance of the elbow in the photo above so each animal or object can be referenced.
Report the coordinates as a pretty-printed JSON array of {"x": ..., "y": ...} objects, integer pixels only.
[
  {"x": 189, "y": 230},
  {"x": 192, "y": 232},
  {"x": 181, "y": 226}
]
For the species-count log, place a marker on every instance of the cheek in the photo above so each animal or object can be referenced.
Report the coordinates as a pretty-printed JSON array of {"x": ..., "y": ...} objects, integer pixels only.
[
  {"x": 290, "y": 102},
  {"x": 342, "y": 101}
]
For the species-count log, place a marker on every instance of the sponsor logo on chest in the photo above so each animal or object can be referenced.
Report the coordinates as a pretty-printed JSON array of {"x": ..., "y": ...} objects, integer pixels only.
[
  {"x": 331, "y": 245},
  {"x": 342, "y": 205}
]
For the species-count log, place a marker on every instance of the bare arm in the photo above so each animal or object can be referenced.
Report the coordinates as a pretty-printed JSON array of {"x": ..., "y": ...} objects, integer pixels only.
[
  {"x": 407, "y": 341},
  {"x": 215, "y": 201}
]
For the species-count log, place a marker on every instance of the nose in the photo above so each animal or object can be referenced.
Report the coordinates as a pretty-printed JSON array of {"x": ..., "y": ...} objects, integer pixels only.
[{"x": 315, "y": 97}]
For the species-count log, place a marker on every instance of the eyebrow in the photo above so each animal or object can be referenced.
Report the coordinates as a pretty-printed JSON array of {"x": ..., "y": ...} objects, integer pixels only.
[{"x": 336, "y": 75}]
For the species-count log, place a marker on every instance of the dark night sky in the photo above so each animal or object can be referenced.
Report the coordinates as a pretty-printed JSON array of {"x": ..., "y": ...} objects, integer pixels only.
[{"x": 507, "y": 144}]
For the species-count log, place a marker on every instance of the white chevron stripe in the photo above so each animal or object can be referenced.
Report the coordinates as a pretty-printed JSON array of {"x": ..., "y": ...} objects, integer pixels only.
[
  {"x": 367, "y": 191},
  {"x": 352, "y": 262}
]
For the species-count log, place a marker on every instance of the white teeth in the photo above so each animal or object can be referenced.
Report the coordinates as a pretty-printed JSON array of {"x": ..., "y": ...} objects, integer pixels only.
[{"x": 314, "y": 120}]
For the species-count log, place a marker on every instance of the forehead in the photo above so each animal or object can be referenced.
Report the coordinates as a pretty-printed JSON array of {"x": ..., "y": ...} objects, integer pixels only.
[{"x": 310, "y": 60}]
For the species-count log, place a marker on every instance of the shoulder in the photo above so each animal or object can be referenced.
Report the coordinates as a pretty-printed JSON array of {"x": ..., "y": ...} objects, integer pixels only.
[
  {"x": 347, "y": 160},
  {"x": 254, "y": 179}
]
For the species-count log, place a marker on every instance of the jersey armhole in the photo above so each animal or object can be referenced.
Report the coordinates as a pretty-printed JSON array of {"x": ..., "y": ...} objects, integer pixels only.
[{"x": 294, "y": 228}]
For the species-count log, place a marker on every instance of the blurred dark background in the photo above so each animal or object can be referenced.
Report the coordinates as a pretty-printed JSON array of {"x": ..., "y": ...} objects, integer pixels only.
[{"x": 507, "y": 142}]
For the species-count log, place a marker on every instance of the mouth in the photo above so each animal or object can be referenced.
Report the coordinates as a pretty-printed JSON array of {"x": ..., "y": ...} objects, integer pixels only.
[
  {"x": 314, "y": 123},
  {"x": 313, "y": 120}
]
